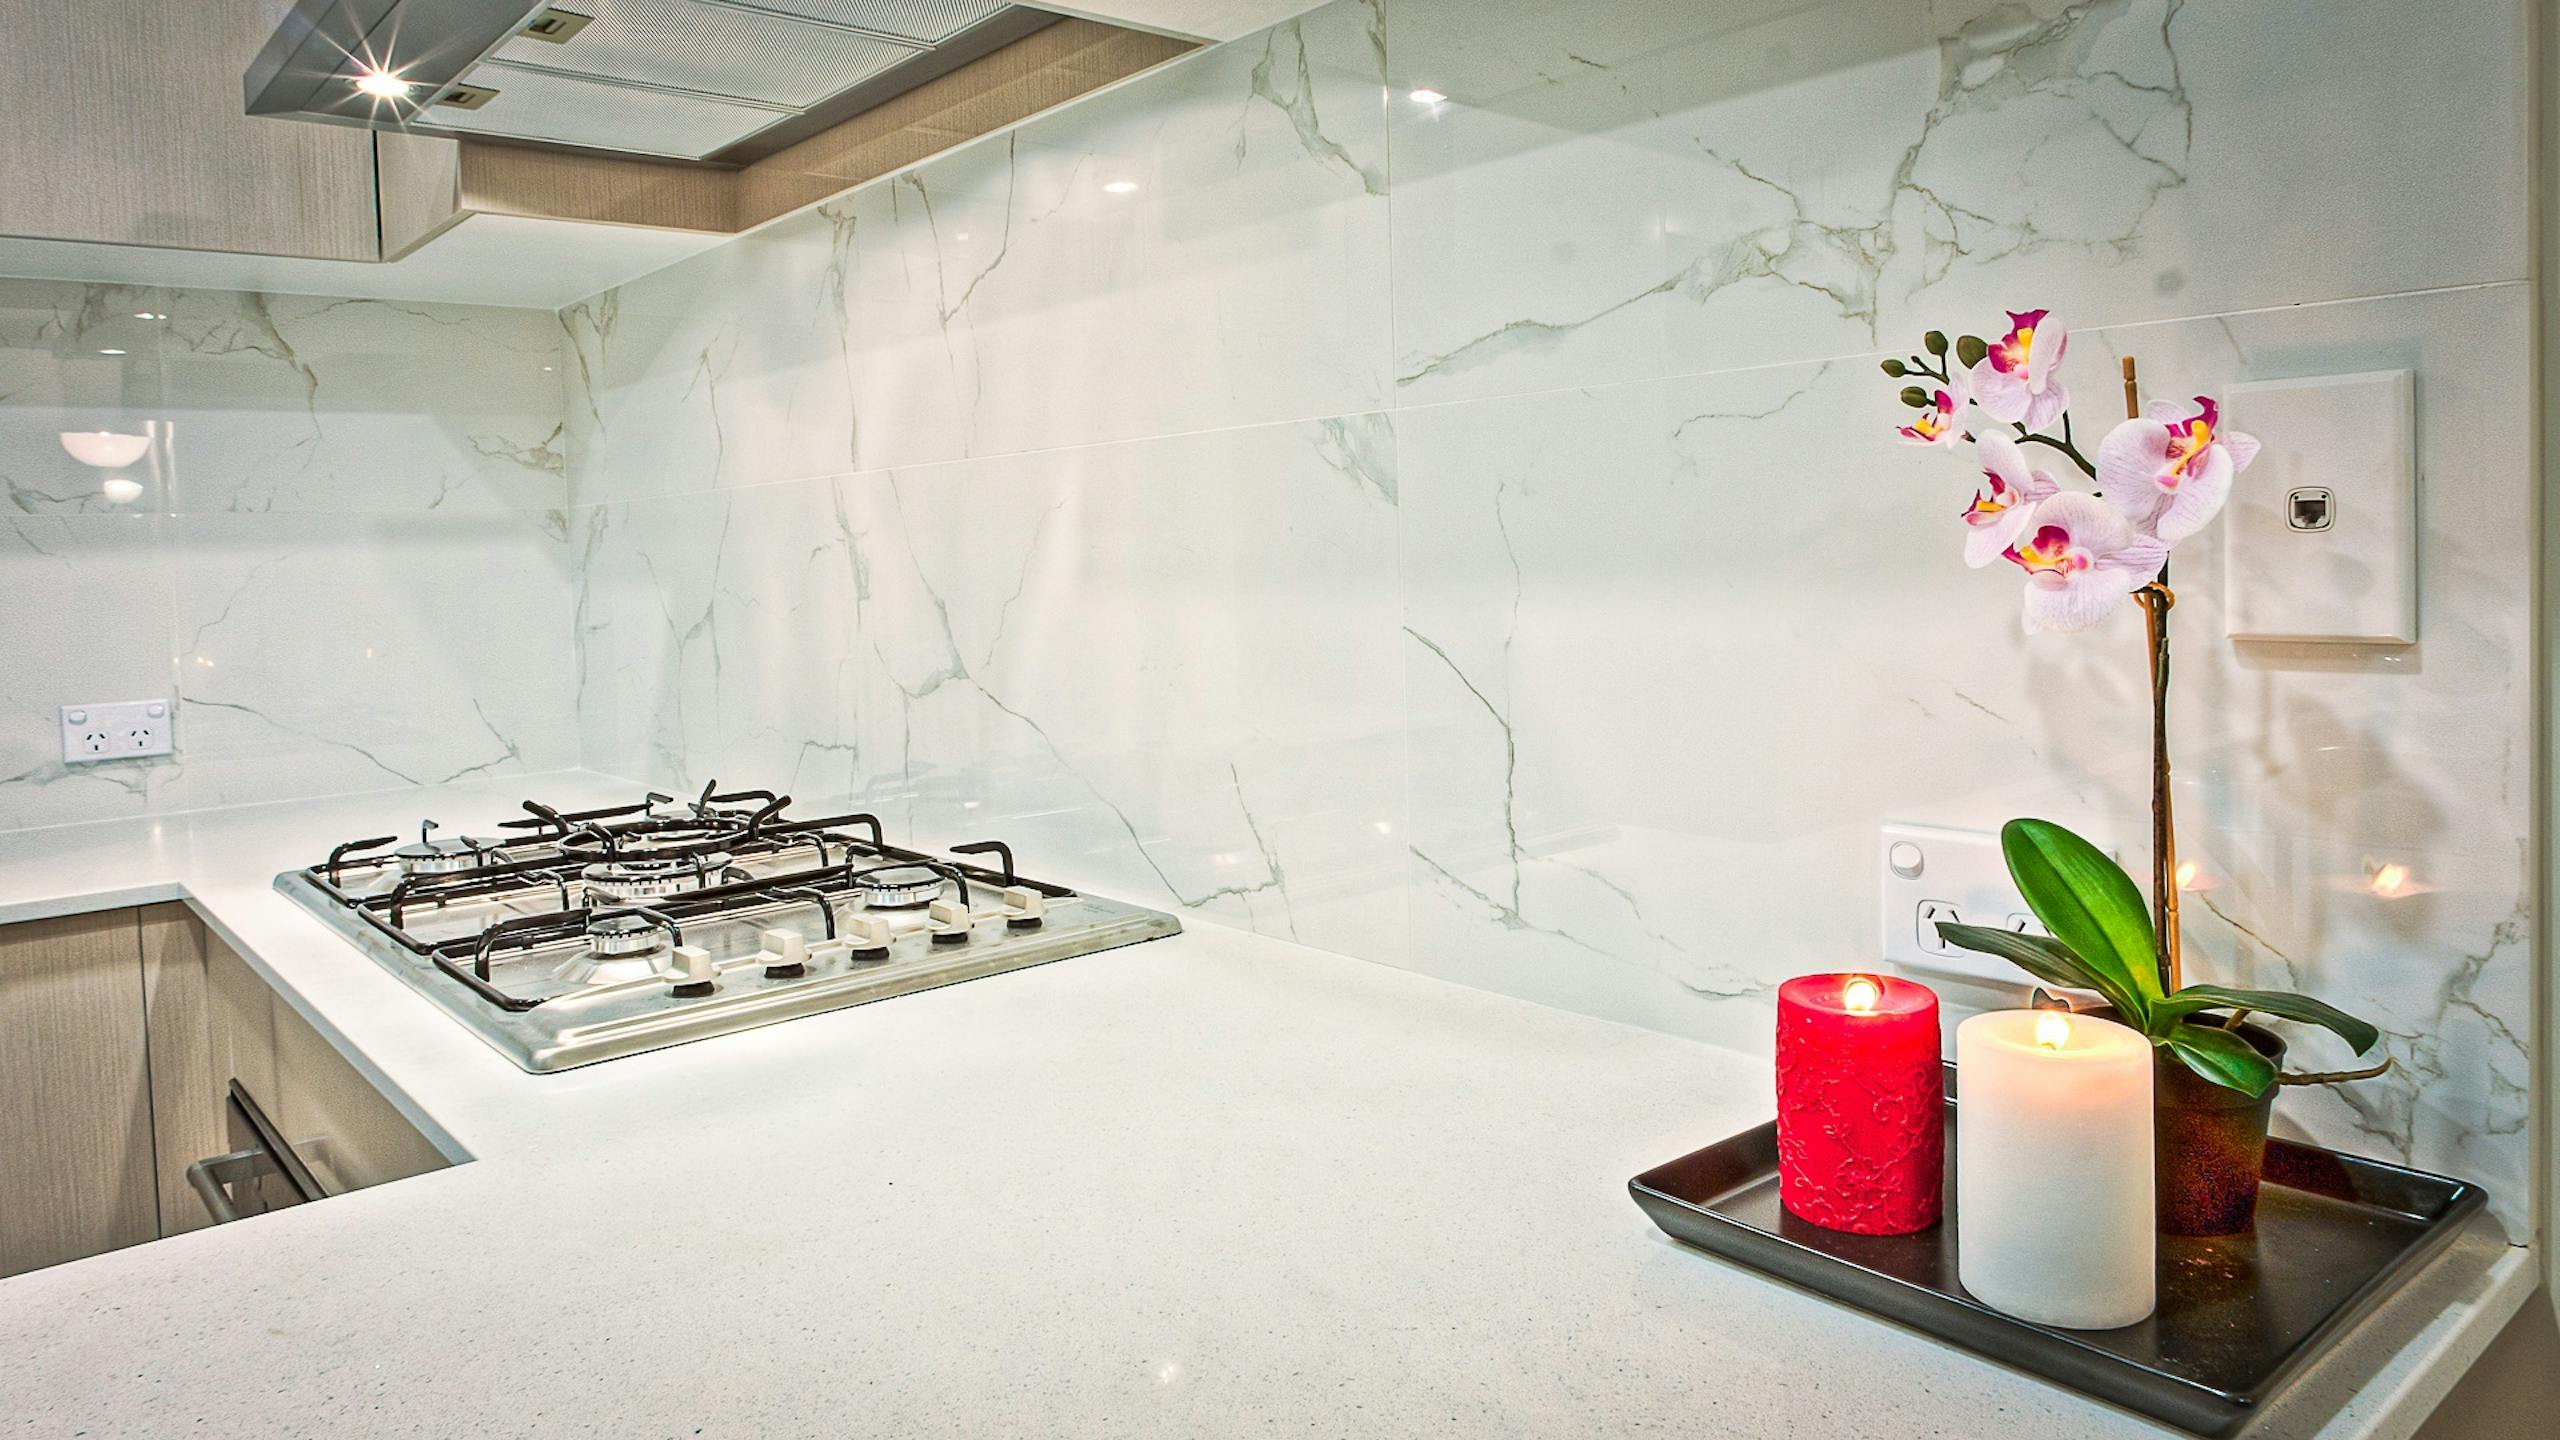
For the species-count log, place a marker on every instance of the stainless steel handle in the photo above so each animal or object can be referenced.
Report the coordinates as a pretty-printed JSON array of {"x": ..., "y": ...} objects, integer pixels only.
[{"x": 209, "y": 1175}]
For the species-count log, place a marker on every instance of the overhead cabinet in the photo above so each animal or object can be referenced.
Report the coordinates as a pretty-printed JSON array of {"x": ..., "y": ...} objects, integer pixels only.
[
  {"x": 122, "y": 124},
  {"x": 128, "y": 152}
]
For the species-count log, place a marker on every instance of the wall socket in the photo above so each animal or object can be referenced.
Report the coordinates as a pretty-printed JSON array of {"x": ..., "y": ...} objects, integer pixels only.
[
  {"x": 117, "y": 730},
  {"x": 1958, "y": 876}
]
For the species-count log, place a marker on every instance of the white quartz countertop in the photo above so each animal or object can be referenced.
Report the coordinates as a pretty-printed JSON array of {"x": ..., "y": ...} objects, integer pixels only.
[{"x": 1209, "y": 1185}]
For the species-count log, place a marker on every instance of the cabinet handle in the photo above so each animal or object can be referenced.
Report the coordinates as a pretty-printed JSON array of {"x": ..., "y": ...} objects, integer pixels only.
[{"x": 209, "y": 1175}]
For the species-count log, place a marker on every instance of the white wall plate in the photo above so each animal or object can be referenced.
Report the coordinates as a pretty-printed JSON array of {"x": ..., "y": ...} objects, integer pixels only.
[{"x": 2321, "y": 533}]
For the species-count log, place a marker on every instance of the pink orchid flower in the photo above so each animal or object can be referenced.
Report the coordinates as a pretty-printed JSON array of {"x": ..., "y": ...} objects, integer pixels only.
[
  {"x": 2006, "y": 503},
  {"x": 2170, "y": 471},
  {"x": 2016, "y": 381},
  {"x": 2083, "y": 559},
  {"x": 1936, "y": 426}
]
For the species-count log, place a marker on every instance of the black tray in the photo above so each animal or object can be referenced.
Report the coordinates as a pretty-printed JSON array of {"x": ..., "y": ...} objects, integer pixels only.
[{"x": 2238, "y": 1318}]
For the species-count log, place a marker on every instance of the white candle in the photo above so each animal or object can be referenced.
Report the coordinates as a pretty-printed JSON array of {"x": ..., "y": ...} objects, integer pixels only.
[{"x": 2053, "y": 1168}]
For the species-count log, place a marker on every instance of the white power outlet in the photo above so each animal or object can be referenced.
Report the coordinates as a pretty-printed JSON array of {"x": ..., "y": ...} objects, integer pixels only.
[
  {"x": 1957, "y": 876},
  {"x": 117, "y": 730}
]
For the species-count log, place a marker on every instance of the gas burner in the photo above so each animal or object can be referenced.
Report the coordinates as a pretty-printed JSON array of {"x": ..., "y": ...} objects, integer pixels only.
[
  {"x": 452, "y": 855},
  {"x": 637, "y": 878},
  {"x": 619, "y": 947},
  {"x": 899, "y": 887},
  {"x": 582, "y": 935},
  {"x": 688, "y": 838}
]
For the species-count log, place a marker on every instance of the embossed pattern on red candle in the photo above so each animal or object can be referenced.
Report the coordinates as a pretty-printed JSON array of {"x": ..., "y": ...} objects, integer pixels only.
[{"x": 1861, "y": 1133}]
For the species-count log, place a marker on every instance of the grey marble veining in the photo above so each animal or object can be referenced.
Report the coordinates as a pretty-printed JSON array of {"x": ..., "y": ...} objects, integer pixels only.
[
  {"x": 341, "y": 549},
  {"x": 1164, "y": 669},
  {"x": 1646, "y": 188},
  {"x": 1467, "y": 533},
  {"x": 1009, "y": 297}
]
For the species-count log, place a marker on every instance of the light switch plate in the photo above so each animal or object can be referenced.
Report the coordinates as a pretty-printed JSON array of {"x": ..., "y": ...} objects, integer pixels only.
[
  {"x": 2321, "y": 533},
  {"x": 117, "y": 730}
]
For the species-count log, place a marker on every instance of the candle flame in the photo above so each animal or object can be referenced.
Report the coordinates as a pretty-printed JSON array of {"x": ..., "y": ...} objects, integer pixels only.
[
  {"x": 2053, "y": 1029},
  {"x": 1860, "y": 995},
  {"x": 2390, "y": 880}
]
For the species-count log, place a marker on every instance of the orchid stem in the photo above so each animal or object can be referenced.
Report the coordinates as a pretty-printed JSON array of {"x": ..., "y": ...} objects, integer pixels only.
[{"x": 2062, "y": 443}]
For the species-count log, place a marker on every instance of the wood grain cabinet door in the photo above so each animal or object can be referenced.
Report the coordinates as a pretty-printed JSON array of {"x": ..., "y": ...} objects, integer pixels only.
[
  {"x": 77, "y": 1173},
  {"x": 122, "y": 122}
]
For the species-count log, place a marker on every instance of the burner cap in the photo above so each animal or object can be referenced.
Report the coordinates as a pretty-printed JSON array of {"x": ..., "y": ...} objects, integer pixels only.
[
  {"x": 450, "y": 855},
  {"x": 899, "y": 887},
  {"x": 662, "y": 839},
  {"x": 619, "y": 948},
  {"x": 652, "y": 877}
]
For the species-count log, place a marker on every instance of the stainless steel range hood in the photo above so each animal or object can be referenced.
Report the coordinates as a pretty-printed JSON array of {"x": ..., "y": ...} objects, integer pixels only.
[{"x": 719, "y": 81}]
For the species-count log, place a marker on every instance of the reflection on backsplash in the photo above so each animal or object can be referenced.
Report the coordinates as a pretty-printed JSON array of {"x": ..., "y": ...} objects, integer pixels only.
[
  {"x": 1456, "y": 531},
  {"x": 331, "y": 528},
  {"x": 1460, "y": 531}
]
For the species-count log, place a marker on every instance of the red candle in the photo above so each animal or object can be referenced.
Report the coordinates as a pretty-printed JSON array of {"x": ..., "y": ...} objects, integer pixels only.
[{"x": 1861, "y": 1136}]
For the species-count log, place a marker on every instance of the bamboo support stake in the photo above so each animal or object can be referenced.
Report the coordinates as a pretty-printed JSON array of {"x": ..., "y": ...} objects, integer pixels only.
[{"x": 2156, "y": 599}]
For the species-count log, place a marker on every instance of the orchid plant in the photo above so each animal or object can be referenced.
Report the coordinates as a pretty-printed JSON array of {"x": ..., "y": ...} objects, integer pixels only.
[{"x": 2160, "y": 477}]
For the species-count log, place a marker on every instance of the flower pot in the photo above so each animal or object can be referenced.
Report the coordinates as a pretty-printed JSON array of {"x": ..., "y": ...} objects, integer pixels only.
[{"x": 2209, "y": 1143}]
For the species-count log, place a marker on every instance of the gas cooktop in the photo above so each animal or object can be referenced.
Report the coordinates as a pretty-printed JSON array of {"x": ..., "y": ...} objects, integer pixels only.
[{"x": 573, "y": 937}]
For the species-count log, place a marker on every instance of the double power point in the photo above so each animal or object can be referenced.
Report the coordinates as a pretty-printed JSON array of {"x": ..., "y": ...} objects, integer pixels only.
[
  {"x": 117, "y": 730},
  {"x": 1933, "y": 875}
]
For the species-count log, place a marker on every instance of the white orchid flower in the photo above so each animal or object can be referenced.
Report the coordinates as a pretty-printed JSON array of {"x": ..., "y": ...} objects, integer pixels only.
[
  {"x": 1936, "y": 426},
  {"x": 2006, "y": 502},
  {"x": 2083, "y": 558},
  {"x": 2170, "y": 471},
  {"x": 2018, "y": 380}
]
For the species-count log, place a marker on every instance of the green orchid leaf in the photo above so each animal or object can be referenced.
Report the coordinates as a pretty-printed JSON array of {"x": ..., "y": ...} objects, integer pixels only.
[
  {"x": 2089, "y": 904},
  {"x": 2222, "y": 1057},
  {"x": 2042, "y": 956},
  {"x": 2282, "y": 1004}
]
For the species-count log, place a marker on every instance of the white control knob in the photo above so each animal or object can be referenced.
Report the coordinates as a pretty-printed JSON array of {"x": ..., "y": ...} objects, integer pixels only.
[
  {"x": 786, "y": 953},
  {"x": 950, "y": 922},
  {"x": 1023, "y": 907},
  {"x": 693, "y": 971},
  {"x": 869, "y": 935}
]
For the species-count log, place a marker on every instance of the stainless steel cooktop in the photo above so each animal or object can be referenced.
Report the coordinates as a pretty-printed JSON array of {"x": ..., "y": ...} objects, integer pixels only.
[{"x": 571, "y": 937}]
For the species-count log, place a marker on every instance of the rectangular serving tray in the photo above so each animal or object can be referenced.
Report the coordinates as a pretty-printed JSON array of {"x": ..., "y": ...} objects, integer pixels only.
[{"x": 2239, "y": 1316}]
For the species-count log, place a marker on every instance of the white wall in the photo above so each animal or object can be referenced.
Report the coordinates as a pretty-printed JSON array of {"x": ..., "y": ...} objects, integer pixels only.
[
  {"x": 346, "y": 561},
  {"x": 1468, "y": 535}
]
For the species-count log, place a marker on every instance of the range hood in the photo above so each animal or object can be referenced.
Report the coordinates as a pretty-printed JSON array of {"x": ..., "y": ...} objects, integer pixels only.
[{"x": 725, "y": 82}]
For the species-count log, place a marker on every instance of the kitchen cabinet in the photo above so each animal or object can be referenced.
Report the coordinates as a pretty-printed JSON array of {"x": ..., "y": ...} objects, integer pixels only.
[
  {"x": 123, "y": 125},
  {"x": 76, "y": 1169},
  {"x": 343, "y": 1128},
  {"x": 121, "y": 1034}
]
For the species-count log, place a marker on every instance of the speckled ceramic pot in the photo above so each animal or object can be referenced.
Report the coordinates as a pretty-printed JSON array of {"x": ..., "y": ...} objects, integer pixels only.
[{"x": 2209, "y": 1144}]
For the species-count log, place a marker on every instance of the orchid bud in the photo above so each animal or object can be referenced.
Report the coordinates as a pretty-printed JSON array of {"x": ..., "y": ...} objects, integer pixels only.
[
  {"x": 1970, "y": 350},
  {"x": 1936, "y": 341},
  {"x": 1896, "y": 368},
  {"x": 1915, "y": 397}
]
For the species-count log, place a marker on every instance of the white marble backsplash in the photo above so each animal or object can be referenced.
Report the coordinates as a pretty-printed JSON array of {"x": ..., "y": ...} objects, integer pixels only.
[
  {"x": 344, "y": 553},
  {"x": 1468, "y": 534},
  {"x": 1462, "y": 533}
]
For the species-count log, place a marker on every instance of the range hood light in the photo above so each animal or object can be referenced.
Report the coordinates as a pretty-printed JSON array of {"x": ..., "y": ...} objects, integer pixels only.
[{"x": 382, "y": 85}]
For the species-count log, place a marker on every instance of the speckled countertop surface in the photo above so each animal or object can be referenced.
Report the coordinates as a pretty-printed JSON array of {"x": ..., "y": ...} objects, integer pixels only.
[{"x": 1212, "y": 1185}]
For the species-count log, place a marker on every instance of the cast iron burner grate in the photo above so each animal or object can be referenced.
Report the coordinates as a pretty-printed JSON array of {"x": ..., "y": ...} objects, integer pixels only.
[{"x": 584, "y": 935}]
